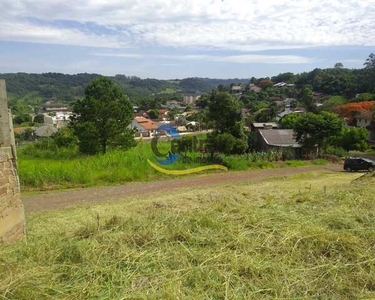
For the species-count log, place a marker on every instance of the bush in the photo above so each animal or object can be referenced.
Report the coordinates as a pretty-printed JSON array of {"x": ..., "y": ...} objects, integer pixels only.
[
  {"x": 239, "y": 163},
  {"x": 354, "y": 139},
  {"x": 337, "y": 151},
  {"x": 88, "y": 137},
  {"x": 47, "y": 149},
  {"x": 39, "y": 119},
  {"x": 65, "y": 137},
  {"x": 364, "y": 97},
  {"x": 221, "y": 142},
  {"x": 319, "y": 162},
  {"x": 22, "y": 118}
]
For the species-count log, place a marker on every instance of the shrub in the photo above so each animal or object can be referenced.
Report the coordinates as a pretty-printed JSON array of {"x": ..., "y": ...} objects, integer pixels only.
[
  {"x": 65, "y": 137},
  {"x": 354, "y": 139},
  {"x": 337, "y": 151}
]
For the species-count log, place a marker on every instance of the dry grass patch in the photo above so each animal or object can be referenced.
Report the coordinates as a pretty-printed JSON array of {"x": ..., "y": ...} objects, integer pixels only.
[{"x": 283, "y": 238}]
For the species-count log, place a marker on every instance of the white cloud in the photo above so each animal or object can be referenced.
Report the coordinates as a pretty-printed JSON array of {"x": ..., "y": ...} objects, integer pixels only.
[
  {"x": 241, "y": 59},
  {"x": 222, "y": 24},
  {"x": 33, "y": 33}
]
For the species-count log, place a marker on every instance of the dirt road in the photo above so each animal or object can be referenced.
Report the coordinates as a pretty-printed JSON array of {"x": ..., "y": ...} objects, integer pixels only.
[{"x": 64, "y": 199}]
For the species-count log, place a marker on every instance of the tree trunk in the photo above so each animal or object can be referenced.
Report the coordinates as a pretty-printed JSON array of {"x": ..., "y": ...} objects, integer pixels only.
[{"x": 104, "y": 146}]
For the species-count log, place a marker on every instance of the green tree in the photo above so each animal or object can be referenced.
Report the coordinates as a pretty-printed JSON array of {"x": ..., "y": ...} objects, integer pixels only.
[
  {"x": 222, "y": 88},
  {"x": 354, "y": 139},
  {"x": 364, "y": 97},
  {"x": 153, "y": 114},
  {"x": 225, "y": 114},
  {"x": 102, "y": 116},
  {"x": 339, "y": 65},
  {"x": 88, "y": 137},
  {"x": 221, "y": 142},
  {"x": 203, "y": 100},
  {"x": 26, "y": 135},
  {"x": 318, "y": 130},
  {"x": 369, "y": 73},
  {"x": 307, "y": 99},
  {"x": 332, "y": 102},
  {"x": 284, "y": 77},
  {"x": 21, "y": 118},
  {"x": 289, "y": 121},
  {"x": 224, "y": 111},
  {"x": 39, "y": 118},
  {"x": 370, "y": 62},
  {"x": 65, "y": 137}
]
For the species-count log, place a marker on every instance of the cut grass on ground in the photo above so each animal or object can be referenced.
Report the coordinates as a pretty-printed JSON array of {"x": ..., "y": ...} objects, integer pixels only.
[{"x": 310, "y": 236}]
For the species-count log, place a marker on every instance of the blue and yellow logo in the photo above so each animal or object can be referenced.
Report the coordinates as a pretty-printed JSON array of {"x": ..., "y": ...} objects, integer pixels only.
[{"x": 173, "y": 154}]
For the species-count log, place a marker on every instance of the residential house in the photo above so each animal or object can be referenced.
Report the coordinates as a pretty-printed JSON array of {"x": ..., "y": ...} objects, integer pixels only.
[
  {"x": 192, "y": 126},
  {"x": 163, "y": 114},
  {"x": 283, "y": 84},
  {"x": 254, "y": 88},
  {"x": 278, "y": 139},
  {"x": 255, "y": 127},
  {"x": 364, "y": 119},
  {"x": 190, "y": 99},
  {"x": 172, "y": 104},
  {"x": 52, "y": 107},
  {"x": 237, "y": 89},
  {"x": 141, "y": 113},
  {"x": 59, "y": 119},
  {"x": 144, "y": 127},
  {"x": 45, "y": 131},
  {"x": 318, "y": 97},
  {"x": 288, "y": 111},
  {"x": 275, "y": 99},
  {"x": 288, "y": 102}
]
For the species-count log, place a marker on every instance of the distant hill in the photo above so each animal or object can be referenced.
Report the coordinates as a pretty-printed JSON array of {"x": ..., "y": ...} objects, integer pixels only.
[
  {"x": 28, "y": 91},
  {"x": 227, "y": 82},
  {"x": 66, "y": 88}
]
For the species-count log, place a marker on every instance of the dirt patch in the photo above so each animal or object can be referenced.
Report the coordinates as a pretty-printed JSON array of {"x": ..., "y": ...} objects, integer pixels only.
[{"x": 87, "y": 196}]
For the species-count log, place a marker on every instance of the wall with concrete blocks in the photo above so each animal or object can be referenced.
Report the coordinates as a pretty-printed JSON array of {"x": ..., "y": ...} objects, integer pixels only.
[{"x": 12, "y": 216}]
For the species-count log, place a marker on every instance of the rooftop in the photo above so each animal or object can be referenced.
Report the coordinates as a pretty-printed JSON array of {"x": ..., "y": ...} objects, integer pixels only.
[
  {"x": 263, "y": 124},
  {"x": 280, "y": 138},
  {"x": 365, "y": 115},
  {"x": 45, "y": 131},
  {"x": 145, "y": 123}
]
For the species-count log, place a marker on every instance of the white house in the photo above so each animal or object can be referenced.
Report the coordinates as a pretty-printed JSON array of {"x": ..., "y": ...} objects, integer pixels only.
[
  {"x": 364, "y": 119},
  {"x": 60, "y": 119},
  {"x": 144, "y": 127},
  {"x": 191, "y": 98}
]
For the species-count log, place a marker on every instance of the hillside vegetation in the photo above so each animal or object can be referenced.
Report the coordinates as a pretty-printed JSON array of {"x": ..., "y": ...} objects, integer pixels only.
[
  {"x": 310, "y": 236},
  {"x": 66, "y": 88}
]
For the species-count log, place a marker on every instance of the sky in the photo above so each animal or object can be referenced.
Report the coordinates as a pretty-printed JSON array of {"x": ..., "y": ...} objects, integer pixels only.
[{"x": 169, "y": 39}]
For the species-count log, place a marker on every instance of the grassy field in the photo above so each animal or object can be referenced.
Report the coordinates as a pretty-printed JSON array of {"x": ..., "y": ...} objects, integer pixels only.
[
  {"x": 41, "y": 169},
  {"x": 310, "y": 236}
]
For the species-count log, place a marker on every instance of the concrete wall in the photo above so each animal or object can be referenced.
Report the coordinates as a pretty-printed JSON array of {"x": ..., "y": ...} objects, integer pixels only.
[
  {"x": 12, "y": 216},
  {"x": 363, "y": 122}
]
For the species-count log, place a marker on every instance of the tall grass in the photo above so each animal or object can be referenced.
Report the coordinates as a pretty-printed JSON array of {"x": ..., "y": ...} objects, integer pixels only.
[
  {"x": 43, "y": 166},
  {"x": 276, "y": 239},
  {"x": 115, "y": 166}
]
